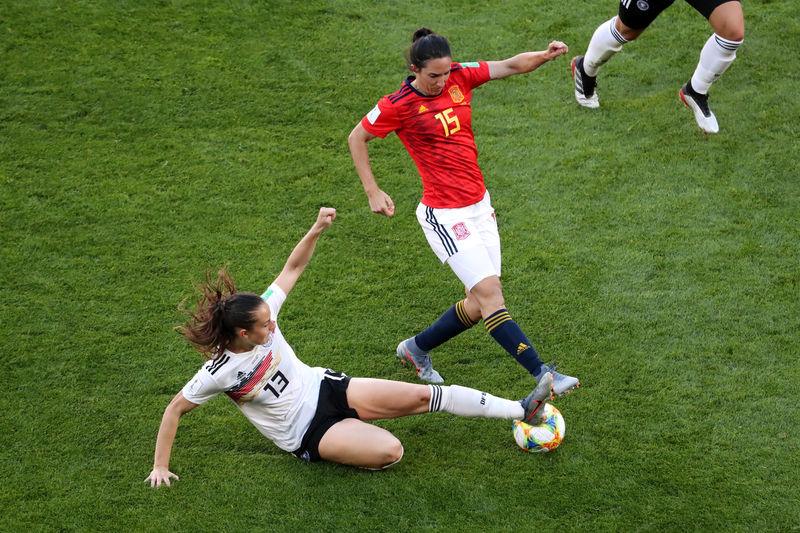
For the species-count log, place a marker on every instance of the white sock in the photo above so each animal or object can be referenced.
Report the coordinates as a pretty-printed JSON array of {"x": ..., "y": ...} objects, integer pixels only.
[
  {"x": 605, "y": 42},
  {"x": 715, "y": 58},
  {"x": 463, "y": 401}
]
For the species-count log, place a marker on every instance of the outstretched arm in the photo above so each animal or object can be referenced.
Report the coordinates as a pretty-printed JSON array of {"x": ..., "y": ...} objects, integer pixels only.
[
  {"x": 526, "y": 62},
  {"x": 379, "y": 201},
  {"x": 303, "y": 251},
  {"x": 178, "y": 407}
]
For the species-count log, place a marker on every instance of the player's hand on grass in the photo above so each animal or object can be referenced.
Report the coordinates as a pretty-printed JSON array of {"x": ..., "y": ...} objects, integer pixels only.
[
  {"x": 381, "y": 203},
  {"x": 555, "y": 49},
  {"x": 160, "y": 475}
]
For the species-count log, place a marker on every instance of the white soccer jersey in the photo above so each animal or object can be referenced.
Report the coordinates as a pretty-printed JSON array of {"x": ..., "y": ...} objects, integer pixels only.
[{"x": 275, "y": 390}]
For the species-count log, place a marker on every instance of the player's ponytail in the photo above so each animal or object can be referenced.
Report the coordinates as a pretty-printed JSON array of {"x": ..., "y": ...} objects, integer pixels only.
[
  {"x": 427, "y": 45},
  {"x": 220, "y": 312}
]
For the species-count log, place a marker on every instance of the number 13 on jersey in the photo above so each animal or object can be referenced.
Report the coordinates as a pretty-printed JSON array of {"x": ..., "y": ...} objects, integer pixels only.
[{"x": 449, "y": 121}]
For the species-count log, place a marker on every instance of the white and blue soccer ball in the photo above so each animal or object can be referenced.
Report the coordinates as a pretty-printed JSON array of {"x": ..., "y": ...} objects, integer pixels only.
[{"x": 543, "y": 437}]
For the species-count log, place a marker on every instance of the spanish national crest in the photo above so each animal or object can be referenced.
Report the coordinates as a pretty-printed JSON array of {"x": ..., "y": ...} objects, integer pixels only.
[
  {"x": 456, "y": 94},
  {"x": 461, "y": 231}
]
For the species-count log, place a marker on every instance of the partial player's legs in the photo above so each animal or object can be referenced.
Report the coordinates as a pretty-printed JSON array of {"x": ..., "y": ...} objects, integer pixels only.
[
  {"x": 375, "y": 399},
  {"x": 467, "y": 240},
  {"x": 727, "y": 20},
  {"x": 473, "y": 253},
  {"x": 607, "y": 40},
  {"x": 485, "y": 299},
  {"x": 356, "y": 443},
  {"x": 415, "y": 349},
  {"x": 506, "y": 332}
]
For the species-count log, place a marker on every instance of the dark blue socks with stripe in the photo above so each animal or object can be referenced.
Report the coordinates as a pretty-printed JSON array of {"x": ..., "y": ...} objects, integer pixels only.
[
  {"x": 500, "y": 326},
  {"x": 452, "y": 322},
  {"x": 508, "y": 334}
]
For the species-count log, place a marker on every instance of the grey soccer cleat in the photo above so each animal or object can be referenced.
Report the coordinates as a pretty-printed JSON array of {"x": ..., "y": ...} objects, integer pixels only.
[
  {"x": 562, "y": 383},
  {"x": 585, "y": 85},
  {"x": 421, "y": 362},
  {"x": 698, "y": 103},
  {"x": 534, "y": 403}
]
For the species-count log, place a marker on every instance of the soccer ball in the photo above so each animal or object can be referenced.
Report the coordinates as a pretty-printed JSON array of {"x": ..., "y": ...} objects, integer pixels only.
[{"x": 544, "y": 437}]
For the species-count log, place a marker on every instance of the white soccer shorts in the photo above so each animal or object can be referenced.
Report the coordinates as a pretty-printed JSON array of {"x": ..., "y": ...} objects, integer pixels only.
[{"x": 466, "y": 238}]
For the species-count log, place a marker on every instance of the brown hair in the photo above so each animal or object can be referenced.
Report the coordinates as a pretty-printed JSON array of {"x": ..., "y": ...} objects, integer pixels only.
[{"x": 220, "y": 312}]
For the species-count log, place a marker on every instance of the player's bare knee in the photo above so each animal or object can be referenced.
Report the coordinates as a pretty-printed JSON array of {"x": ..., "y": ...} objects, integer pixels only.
[
  {"x": 393, "y": 453},
  {"x": 492, "y": 299},
  {"x": 390, "y": 454},
  {"x": 727, "y": 21},
  {"x": 731, "y": 30},
  {"x": 488, "y": 289},
  {"x": 499, "y": 286},
  {"x": 733, "y": 33}
]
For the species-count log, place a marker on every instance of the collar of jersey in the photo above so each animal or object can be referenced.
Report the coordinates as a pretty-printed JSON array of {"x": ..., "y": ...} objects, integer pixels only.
[{"x": 408, "y": 82}]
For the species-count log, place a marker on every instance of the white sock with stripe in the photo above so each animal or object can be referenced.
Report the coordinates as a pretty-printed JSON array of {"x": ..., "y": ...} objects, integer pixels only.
[
  {"x": 715, "y": 58},
  {"x": 605, "y": 42},
  {"x": 463, "y": 401}
]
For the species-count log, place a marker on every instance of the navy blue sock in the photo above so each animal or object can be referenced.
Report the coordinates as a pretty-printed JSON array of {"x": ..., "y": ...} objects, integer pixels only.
[
  {"x": 452, "y": 322},
  {"x": 508, "y": 334}
]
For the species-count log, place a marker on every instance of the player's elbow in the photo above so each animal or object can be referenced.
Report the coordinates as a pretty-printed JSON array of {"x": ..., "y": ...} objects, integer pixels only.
[
  {"x": 356, "y": 136},
  {"x": 352, "y": 137},
  {"x": 359, "y": 136},
  {"x": 179, "y": 406}
]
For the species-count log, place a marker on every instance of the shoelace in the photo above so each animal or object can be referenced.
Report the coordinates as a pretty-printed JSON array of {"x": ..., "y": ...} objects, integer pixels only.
[{"x": 551, "y": 367}]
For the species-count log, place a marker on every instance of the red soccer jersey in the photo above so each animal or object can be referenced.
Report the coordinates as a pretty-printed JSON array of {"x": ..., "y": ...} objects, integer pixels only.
[{"x": 437, "y": 132}]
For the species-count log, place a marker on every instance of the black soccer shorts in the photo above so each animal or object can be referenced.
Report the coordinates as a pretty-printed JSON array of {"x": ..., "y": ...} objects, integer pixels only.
[
  {"x": 638, "y": 14},
  {"x": 332, "y": 407}
]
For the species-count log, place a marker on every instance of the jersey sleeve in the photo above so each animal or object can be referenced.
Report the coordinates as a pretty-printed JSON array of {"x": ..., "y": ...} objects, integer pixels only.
[
  {"x": 477, "y": 72},
  {"x": 382, "y": 120},
  {"x": 274, "y": 296},
  {"x": 202, "y": 387}
]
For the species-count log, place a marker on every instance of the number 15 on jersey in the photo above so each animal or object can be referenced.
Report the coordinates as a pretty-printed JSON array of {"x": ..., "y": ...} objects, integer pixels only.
[{"x": 449, "y": 121}]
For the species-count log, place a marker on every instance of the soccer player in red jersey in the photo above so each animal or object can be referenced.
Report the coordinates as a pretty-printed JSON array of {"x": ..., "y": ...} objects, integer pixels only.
[{"x": 432, "y": 116}]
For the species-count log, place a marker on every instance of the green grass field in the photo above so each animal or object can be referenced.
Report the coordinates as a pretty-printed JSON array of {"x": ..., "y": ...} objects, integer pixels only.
[{"x": 142, "y": 143}]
